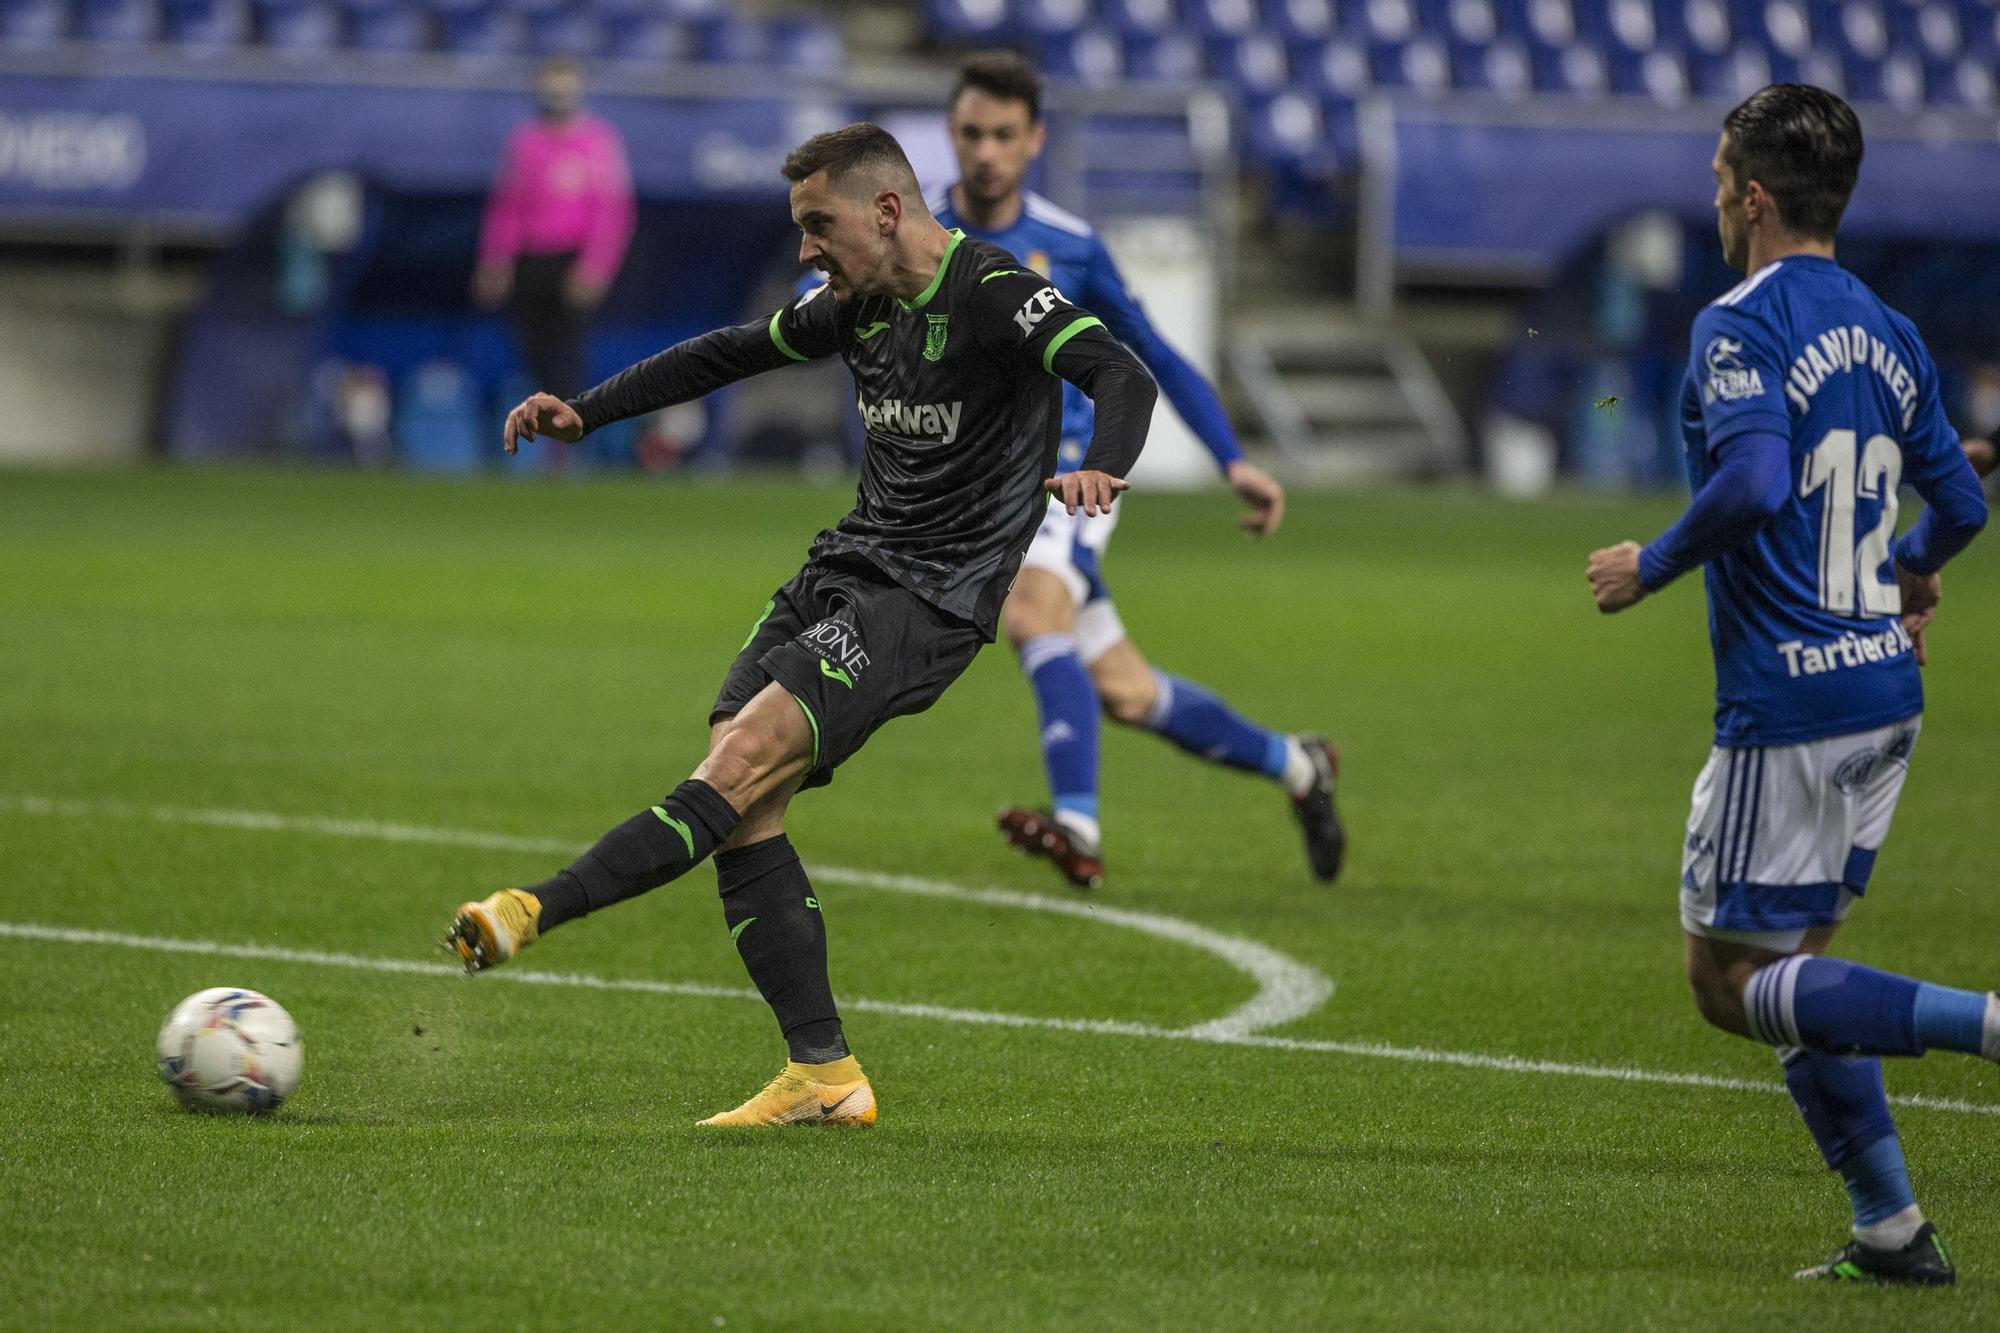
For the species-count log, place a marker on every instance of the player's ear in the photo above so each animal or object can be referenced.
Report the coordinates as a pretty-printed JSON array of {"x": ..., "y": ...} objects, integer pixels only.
[
  {"x": 888, "y": 211},
  {"x": 1037, "y": 136}
]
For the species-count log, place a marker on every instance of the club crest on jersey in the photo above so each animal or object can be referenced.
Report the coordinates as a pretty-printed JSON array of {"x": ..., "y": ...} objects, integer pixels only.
[
  {"x": 934, "y": 336},
  {"x": 1729, "y": 380}
]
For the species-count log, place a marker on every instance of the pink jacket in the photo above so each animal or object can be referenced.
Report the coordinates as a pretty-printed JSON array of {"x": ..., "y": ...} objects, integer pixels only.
[{"x": 561, "y": 187}]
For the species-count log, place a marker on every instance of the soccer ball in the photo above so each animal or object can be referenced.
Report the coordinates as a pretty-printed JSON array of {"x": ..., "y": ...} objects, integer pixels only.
[{"x": 225, "y": 1049}]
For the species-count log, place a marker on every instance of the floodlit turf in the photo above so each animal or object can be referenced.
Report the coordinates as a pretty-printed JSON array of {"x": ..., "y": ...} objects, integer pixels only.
[{"x": 536, "y": 661}]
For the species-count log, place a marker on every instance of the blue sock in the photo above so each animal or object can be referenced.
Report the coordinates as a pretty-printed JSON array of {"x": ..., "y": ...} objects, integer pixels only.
[
  {"x": 1831, "y": 1005},
  {"x": 1878, "y": 1184},
  {"x": 1202, "y": 724},
  {"x": 1950, "y": 1020},
  {"x": 1068, "y": 703}
]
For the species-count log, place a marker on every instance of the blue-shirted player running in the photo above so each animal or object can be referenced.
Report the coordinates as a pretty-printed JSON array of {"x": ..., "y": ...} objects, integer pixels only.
[
  {"x": 1060, "y": 617},
  {"x": 1807, "y": 403}
]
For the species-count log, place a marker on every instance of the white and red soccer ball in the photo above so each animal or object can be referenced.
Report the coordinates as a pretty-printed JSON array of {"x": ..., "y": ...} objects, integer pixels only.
[{"x": 225, "y": 1049}]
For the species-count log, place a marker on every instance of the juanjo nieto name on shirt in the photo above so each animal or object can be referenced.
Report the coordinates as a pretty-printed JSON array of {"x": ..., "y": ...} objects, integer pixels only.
[
  {"x": 1843, "y": 349},
  {"x": 893, "y": 416},
  {"x": 1850, "y": 649}
]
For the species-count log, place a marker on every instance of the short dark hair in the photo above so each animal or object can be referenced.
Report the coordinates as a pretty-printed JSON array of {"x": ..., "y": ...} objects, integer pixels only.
[
  {"x": 847, "y": 149},
  {"x": 1803, "y": 144},
  {"x": 1001, "y": 74}
]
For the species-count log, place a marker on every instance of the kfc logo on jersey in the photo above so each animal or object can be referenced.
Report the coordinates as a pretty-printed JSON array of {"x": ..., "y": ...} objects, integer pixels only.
[
  {"x": 1037, "y": 309},
  {"x": 1729, "y": 380}
]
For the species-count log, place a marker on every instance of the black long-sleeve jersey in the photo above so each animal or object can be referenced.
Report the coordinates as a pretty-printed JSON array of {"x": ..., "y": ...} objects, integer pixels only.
[{"x": 958, "y": 391}]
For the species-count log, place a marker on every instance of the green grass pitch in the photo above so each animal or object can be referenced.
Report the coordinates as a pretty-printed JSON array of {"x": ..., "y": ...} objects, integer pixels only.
[{"x": 535, "y": 661}]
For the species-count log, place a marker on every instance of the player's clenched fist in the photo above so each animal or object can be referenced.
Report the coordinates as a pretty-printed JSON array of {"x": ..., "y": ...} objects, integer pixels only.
[
  {"x": 1091, "y": 492},
  {"x": 1614, "y": 577},
  {"x": 542, "y": 414}
]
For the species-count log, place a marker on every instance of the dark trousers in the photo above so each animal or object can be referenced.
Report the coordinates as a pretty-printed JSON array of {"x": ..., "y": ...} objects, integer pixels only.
[{"x": 550, "y": 327}]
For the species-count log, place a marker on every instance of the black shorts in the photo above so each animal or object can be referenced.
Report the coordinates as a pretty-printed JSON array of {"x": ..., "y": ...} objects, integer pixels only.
[{"x": 855, "y": 649}]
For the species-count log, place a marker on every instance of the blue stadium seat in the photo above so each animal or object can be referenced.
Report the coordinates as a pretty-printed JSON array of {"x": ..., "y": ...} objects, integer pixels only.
[
  {"x": 1576, "y": 70},
  {"x": 1733, "y": 75},
  {"x": 31, "y": 24},
  {"x": 1135, "y": 17},
  {"x": 1040, "y": 20},
  {"x": 1504, "y": 68},
  {"x": 571, "y": 30},
  {"x": 1168, "y": 57},
  {"x": 1389, "y": 22},
  {"x": 968, "y": 20},
  {"x": 808, "y": 45},
  {"x": 1339, "y": 69},
  {"x": 484, "y": 32},
  {"x": 1093, "y": 55},
  {"x": 1305, "y": 23},
  {"x": 1256, "y": 64},
  {"x": 1857, "y": 29},
  {"x": 694, "y": 11},
  {"x": 1630, "y": 28},
  {"x": 1897, "y": 80},
  {"x": 646, "y": 39},
  {"x": 1972, "y": 83},
  {"x": 207, "y": 25},
  {"x": 1659, "y": 75},
  {"x": 1422, "y": 66},
  {"x": 302, "y": 31},
  {"x": 1786, "y": 27},
  {"x": 120, "y": 22},
  {"x": 1702, "y": 28},
  {"x": 1228, "y": 19},
  {"x": 1286, "y": 129},
  {"x": 1466, "y": 25},
  {"x": 732, "y": 40},
  {"x": 388, "y": 26},
  {"x": 1932, "y": 30}
]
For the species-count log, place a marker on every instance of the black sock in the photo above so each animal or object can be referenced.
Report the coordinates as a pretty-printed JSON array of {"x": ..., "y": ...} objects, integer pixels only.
[
  {"x": 649, "y": 849},
  {"x": 774, "y": 917}
]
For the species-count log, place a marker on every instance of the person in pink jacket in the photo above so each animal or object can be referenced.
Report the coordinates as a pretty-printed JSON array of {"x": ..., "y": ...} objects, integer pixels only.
[{"x": 557, "y": 224}]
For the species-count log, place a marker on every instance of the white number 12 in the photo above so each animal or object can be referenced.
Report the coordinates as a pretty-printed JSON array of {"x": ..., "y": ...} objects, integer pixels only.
[{"x": 1832, "y": 464}]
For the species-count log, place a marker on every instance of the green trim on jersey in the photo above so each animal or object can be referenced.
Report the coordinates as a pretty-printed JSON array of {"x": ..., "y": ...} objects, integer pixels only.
[
  {"x": 815, "y": 724},
  {"x": 1056, "y": 343},
  {"x": 937, "y": 278},
  {"x": 779, "y": 338},
  {"x": 998, "y": 273}
]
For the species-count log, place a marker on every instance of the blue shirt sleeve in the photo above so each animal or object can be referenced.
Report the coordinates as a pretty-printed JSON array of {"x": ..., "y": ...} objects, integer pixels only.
[
  {"x": 1751, "y": 482},
  {"x": 1934, "y": 463},
  {"x": 1738, "y": 369},
  {"x": 1106, "y": 296}
]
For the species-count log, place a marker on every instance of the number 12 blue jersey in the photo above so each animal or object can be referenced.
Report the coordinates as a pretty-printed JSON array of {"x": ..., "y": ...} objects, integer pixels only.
[{"x": 1805, "y": 616}]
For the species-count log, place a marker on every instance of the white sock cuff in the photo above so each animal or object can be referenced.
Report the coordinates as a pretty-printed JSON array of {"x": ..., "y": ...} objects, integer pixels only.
[
  {"x": 1163, "y": 699},
  {"x": 1043, "y": 649},
  {"x": 1767, "y": 1002}
]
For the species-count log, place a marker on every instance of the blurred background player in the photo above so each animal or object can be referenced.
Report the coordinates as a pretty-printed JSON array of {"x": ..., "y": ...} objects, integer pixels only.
[
  {"x": 557, "y": 224},
  {"x": 956, "y": 354},
  {"x": 1806, "y": 400},
  {"x": 1060, "y": 617}
]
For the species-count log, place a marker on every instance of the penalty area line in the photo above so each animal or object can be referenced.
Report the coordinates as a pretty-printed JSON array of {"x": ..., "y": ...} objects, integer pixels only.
[{"x": 1507, "y": 1064}]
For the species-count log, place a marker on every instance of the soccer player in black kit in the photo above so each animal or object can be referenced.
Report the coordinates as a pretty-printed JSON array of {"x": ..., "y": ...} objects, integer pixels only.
[{"x": 957, "y": 352}]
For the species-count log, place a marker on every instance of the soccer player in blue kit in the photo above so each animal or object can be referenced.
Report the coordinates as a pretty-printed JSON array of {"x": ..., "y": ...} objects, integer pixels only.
[
  {"x": 1059, "y": 616},
  {"x": 1806, "y": 403}
]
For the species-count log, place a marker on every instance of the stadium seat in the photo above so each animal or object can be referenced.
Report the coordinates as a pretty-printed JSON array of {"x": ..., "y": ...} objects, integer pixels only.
[
  {"x": 1422, "y": 66},
  {"x": 482, "y": 33},
  {"x": 732, "y": 40},
  {"x": 809, "y": 46},
  {"x": 1256, "y": 64},
  {"x": 1039, "y": 21},
  {"x": 1224, "y": 19},
  {"x": 1139, "y": 17},
  {"x": 1304, "y": 23},
  {"x": 120, "y": 22},
  {"x": 1503, "y": 69},
  {"x": 646, "y": 39},
  {"x": 567, "y": 31},
  {"x": 694, "y": 11},
  {"x": 1971, "y": 83},
  {"x": 1466, "y": 25},
  {"x": 1897, "y": 80},
  {"x": 1168, "y": 57},
  {"x": 968, "y": 20},
  {"x": 298, "y": 30},
  {"x": 207, "y": 25},
  {"x": 1630, "y": 28},
  {"x": 1389, "y": 22},
  {"x": 30, "y": 24},
  {"x": 1701, "y": 28},
  {"x": 1733, "y": 76},
  {"x": 1546, "y": 25},
  {"x": 388, "y": 26},
  {"x": 1579, "y": 71},
  {"x": 1284, "y": 129},
  {"x": 1091, "y": 55},
  {"x": 1339, "y": 69},
  {"x": 1786, "y": 26}
]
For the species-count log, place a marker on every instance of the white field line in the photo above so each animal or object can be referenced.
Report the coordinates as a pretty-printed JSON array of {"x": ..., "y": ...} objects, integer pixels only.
[
  {"x": 1287, "y": 989},
  {"x": 22, "y": 930}
]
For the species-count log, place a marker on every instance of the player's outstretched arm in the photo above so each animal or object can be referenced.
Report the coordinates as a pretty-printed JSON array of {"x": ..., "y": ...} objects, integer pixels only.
[{"x": 1123, "y": 394}]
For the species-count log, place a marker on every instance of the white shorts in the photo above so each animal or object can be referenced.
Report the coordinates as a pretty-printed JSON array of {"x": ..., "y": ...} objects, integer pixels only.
[
  {"x": 1070, "y": 546},
  {"x": 1783, "y": 838}
]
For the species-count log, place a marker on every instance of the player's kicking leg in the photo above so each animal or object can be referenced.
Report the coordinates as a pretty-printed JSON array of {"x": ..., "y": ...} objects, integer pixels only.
[{"x": 1779, "y": 846}]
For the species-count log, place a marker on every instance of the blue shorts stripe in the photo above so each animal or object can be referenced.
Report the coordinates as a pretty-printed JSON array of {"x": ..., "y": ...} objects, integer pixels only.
[{"x": 1756, "y": 781}]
